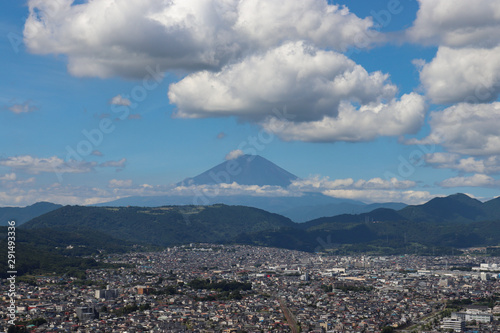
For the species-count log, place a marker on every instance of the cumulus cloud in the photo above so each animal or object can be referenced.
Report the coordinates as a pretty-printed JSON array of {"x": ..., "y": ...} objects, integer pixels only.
[
  {"x": 476, "y": 180},
  {"x": 108, "y": 38},
  {"x": 353, "y": 124},
  {"x": 311, "y": 82},
  {"x": 234, "y": 154},
  {"x": 489, "y": 165},
  {"x": 462, "y": 75},
  {"x": 120, "y": 100},
  {"x": 466, "y": 67},
  {"x": 457, "y": 23},
  {"x": 470, "y": 129},
  {"x": 246, "y": 57},
  {"x": 328, "y": 97}
]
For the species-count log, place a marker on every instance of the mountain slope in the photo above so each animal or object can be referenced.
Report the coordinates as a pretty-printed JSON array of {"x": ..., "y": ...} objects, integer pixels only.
[
  {"x": 49, "y": 250},
  {"x": 380, "y": 231},
  {"x": 298, "y": 209},
  {"x": 23, "y": 214},
  {"x": 163, "y": 225},
  {"x": 456, "y": 208},
  {"x": 244, "y": 170},
  {"x": 299, "y": 213}
]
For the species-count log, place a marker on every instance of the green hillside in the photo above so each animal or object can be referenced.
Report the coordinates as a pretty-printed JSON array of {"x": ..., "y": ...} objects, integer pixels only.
[
  {"x": 23, "y": 214},
  {"x": 50, "y": 250},
  {"x": 441, "y": 224},
  {"x": 163, "y": 226}
]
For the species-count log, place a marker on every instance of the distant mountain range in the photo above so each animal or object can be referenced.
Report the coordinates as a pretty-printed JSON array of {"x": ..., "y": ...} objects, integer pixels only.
[
  {"x": 256, "y": 170},
  {"x": 456, "y": 221}
]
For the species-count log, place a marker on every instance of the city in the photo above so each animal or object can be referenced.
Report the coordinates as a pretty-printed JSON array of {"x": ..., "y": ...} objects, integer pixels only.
[{"x": 257, "y": 289}]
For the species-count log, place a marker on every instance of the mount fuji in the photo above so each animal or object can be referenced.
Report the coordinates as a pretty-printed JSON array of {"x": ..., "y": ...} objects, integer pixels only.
[
  {"x": 256, "y": 170},
  {"x": 244, "y": 170}
]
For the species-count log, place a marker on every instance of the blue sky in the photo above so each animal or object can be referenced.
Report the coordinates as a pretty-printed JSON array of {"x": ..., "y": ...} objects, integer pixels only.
[{"x": 385, "y": 100}]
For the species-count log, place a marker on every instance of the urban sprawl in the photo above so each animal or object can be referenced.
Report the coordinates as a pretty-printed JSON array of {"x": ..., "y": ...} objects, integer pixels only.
[{"x": 219, "y": 288}]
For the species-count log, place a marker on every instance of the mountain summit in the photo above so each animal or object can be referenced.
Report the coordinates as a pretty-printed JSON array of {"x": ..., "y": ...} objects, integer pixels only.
[
  {"x": 255, "y": 170},
  {"x": 244, "y": 170}
]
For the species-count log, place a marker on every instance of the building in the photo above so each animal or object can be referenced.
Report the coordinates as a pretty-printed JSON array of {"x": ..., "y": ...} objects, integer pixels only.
[
  {"x": 455, "y": 324},
  {"x": 473, "y": 314},
  {"x": 144, "y": 290},
  {"x": 85, "y": 313},
  {"x": 487, "y": 267},
  {"x": 106, "y": 293}
]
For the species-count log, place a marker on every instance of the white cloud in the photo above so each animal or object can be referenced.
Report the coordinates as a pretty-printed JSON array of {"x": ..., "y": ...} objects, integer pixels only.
[
  {"x": 234, "y": 154},
  {"x": 311, "y": 82},
  {"x": 462, "y": 75},
  {"x": 107, "y": 38},
  {"x": 9, "y": 177},
  {"x": 477, "y": 180},
  {"x": 75, "y": 195},
  {"x": 318, "y": 184},
  {"x": 35, "y": 165},
  {"x": 457, "y": 23},
  {"x": 353, "y": 124},
  {"x": 469, "y": 129},
  {"x": 120, "y": 100},
  {"x": 319, "y": 89},
  {"x": 379, "y": 183},
  {"x": 120, "y": 164},
  {"x": 443, "y": 159},
  {"x": 372, "y": 190},
  {"x": 466, "y": 67},
  {"x": 118, "y": 183},
  {"x": 489, "y": 165},
  {"x": 224, "y": 189},
  {"x": 409, "y": 197}
]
